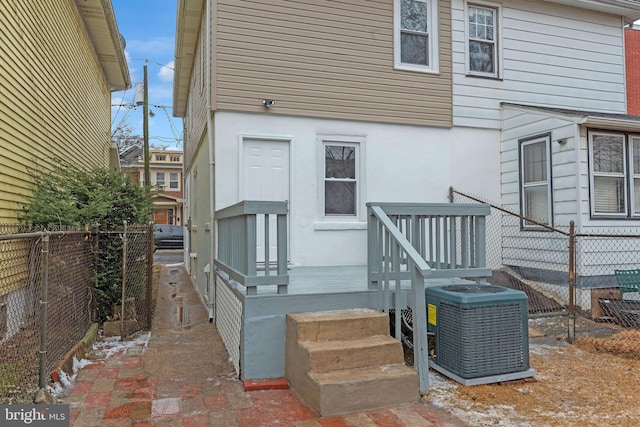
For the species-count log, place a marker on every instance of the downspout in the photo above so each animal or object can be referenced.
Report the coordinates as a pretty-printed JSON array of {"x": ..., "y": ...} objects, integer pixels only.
[{"x": 211, "y": 282}]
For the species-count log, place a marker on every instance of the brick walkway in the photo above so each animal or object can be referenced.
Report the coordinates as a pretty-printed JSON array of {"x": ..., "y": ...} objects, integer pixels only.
[{"x": 180, "y": 376}]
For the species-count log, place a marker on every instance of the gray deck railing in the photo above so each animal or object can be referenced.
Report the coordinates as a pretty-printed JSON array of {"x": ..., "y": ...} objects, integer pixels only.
[
  {"x": 414, "y": 241},
  {"x": 237, "y": 254}
]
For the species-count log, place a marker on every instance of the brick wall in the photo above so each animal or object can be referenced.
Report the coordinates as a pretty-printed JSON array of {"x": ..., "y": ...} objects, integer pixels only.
[{"x": 632, "y": 51}]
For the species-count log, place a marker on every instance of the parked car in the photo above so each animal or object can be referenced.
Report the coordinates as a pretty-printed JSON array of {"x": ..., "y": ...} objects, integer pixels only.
[{"x": 168, "y": 236}]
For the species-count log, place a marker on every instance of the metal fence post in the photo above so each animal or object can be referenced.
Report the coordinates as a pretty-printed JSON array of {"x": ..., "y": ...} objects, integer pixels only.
[
  {"x": 124, "y": 279},
  {"x": 149, "y": 271},
  {"x": 572, "y": 283},
  {"x": 42, "y": 375}
]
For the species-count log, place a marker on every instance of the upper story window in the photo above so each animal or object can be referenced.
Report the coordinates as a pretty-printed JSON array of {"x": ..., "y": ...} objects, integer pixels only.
[
  {"x": 416, "y": 35},
  {"x": 535, "y": 172},
  {"x": 161, "y": 157},
  {"x": 482, "y": 40},
  {"x": 615, "y": 174},
  {"x": 174, "y": 158},
  {"x": 174, "y": 182}
]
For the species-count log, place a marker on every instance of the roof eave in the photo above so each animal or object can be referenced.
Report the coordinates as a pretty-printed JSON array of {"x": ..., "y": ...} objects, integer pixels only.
[
  {"x": 629, "y": 10},
  {"x": 609, "y": 123},
  {"x": 622, "y": 122},
  {"x": 189, "y": 17},
  {"x": 100, "y": 22}
]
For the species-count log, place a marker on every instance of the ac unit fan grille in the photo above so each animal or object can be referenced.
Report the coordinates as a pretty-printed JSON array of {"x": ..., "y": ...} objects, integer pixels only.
[{"x": 482, "y": 340}]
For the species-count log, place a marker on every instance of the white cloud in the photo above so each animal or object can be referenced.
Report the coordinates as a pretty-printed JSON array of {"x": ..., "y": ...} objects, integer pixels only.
[{"x": 166, "y": 72}]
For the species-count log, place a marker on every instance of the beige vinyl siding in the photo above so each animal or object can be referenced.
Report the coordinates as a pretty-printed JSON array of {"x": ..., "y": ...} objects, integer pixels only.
[
  {"x": 55, "y": 101},
  {"x": 325, "y": 59}
]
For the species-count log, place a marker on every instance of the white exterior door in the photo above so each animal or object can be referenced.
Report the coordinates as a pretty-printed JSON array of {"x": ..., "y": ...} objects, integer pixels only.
[{"x": 265, "y": 176}]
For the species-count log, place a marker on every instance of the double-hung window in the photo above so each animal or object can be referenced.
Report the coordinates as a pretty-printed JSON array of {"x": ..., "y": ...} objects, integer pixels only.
[
  {"x": 160, "y": 182},
  {"x": 482, "y": 40},
  {"x": 173, "y": 180},
  {"x": 535, "y": 191},
  {"x": 416, "y": 35},
  {"x": 615, "y": 174},
  {"x": 341, "y": 168}
]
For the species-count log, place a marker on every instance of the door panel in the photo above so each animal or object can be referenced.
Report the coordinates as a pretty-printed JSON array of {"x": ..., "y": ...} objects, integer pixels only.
[{"x": 266, "y": 177}]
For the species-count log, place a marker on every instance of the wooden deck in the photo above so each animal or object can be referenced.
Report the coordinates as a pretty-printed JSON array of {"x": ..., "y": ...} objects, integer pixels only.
[{"x": 310, "y": 289}]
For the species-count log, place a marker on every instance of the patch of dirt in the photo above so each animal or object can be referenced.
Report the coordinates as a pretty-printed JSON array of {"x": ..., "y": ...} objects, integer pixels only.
[{"x": 594, "y": 382}]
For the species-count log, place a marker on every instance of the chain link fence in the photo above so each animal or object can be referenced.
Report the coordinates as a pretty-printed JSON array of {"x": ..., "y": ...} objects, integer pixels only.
[
  {"x": 48, "y": 297},
  {"x": 608, "y": 279},
  {"x": 137, "y": 249},
  {"x": 567, "y": 275}
]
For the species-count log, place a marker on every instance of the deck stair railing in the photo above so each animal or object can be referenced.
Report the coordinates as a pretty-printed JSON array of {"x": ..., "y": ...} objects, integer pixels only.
[
  {"x": 237, "y": 254},
  {"x": 411, "y": 242}
]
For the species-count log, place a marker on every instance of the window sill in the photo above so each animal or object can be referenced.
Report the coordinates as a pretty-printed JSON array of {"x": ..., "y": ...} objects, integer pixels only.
[
  {"x": 417, "y": 69},
  {"x": 336, "y": 226},
  {"x": 479, "y": 76}
]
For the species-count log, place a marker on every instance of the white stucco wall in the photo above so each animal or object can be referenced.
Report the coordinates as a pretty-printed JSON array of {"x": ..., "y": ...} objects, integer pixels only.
[{"x": 399, "y": 164}]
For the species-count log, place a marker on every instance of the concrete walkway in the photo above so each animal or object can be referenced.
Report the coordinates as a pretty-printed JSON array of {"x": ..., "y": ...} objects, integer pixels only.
[{"x": 179, "y": 375}]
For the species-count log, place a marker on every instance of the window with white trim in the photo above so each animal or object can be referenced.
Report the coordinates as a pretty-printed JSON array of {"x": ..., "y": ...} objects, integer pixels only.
[
  {"x": 416, "y": 35},
  {"x": 614, "y": 165},
  {"x": 482, "y": 40},
  {"x": 340, "y": 187},
  {"x": 160, "y": 182},
  {"x": 174, "y": 178},
  {"x": 535, "y": 173}
]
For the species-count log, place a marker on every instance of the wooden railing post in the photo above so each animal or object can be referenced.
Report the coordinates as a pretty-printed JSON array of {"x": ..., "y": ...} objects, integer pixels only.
[
  {"x": 420, "y": 341},
  {"x": 281, "y": 220}
]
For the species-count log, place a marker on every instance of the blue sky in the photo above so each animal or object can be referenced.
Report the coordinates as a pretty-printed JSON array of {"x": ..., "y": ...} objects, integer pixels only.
[{"x": 148, "y": 27}]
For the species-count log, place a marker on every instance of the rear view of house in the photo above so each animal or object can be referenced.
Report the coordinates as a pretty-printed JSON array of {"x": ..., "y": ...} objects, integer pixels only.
[
  {"x": 60, "y": 62},
  {"x": 326, "y": 106}
]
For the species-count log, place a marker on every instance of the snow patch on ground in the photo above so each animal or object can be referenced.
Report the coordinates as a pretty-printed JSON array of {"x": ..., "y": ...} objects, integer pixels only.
[
  {"x": 104, "y": 348},
  {"x": 67, "y": 380}
]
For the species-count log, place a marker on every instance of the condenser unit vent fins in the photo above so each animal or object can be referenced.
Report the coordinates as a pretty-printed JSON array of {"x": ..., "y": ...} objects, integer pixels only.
[
  {"x": 481, "y": 332},
  {"x": 480, "y": 341}
]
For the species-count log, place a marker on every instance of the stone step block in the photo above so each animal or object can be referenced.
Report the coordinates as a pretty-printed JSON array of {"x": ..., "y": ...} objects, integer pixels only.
[
  {"x": 337, "y": 324},
  {"x": 324, "y": 356}
]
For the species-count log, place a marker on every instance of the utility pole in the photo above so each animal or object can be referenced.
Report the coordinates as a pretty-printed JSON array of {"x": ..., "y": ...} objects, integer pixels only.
[{"x": 145, "y": 125}]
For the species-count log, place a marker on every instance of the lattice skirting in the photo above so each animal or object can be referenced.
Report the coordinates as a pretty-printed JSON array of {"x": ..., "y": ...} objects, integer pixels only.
[{"x": 229, "y": 320}]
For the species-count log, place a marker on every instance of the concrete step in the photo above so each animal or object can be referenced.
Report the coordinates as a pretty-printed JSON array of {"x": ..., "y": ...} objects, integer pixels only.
[
  {"x": 345, "y": 361},
  {"x": 325, "y": 356},
  {"x": 362, "y": 389},
  {"x": 338, "y": 324}
]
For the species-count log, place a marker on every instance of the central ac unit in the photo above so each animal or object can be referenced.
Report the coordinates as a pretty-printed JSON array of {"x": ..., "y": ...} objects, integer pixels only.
[{"x": 481, "y": 333}]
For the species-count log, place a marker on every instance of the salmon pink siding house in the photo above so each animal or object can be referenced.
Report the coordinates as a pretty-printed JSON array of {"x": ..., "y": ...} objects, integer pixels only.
[{"x": 329, "y": 105}]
